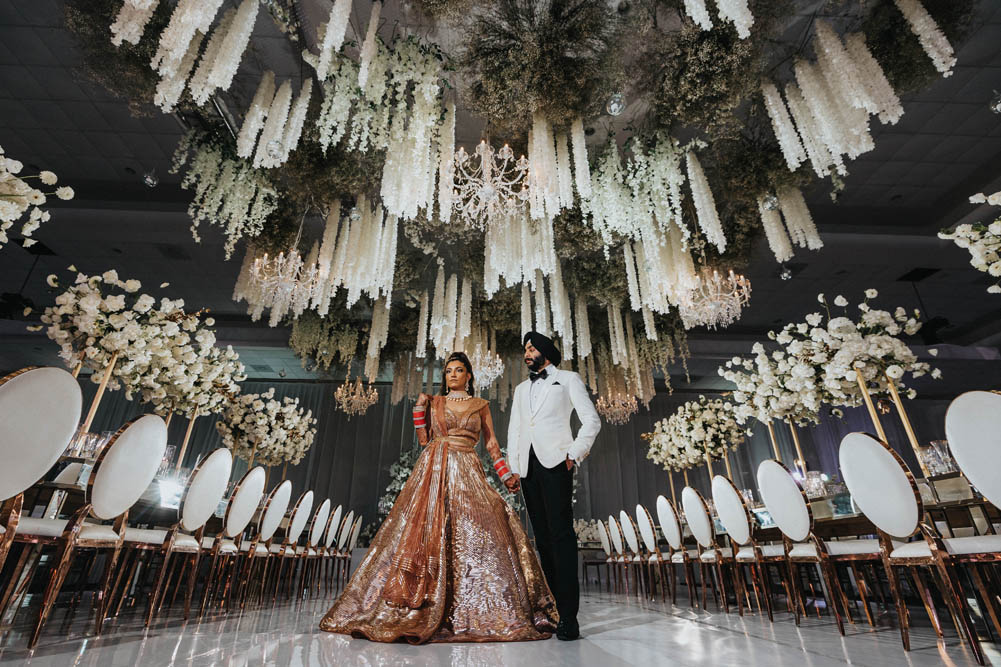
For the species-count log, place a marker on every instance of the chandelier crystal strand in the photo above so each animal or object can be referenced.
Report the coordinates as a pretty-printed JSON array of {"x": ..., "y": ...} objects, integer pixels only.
[
  {"x": 798, "y": 220},
  {"x": 526, "y": 309},
  {"x": 778, "y": 240},
  {"x": 333, "y": 36},
  {"x": 446, "y": 164},
  {"x": 422, "y": 327},
  {"x": 820, "y": 158},
  {"x": 130, "y": 22},
  {"x": 169, "y": 88},
  {"x": 253, "y": 121},
  {"x": 696, "y": 10},
  {"x": 718, "y": 300},
  {"x": 825, "y": 113},
  {"x": 872, "y": 76},
  {"x": 839, "y": 69},
  {"x": 785, "y": 131},
  {"x": 368, "y": 47},
  {"x": 328, "y": 246},
  {"x": 268, "y": 152},
  {"x": 296, "y": 119},
  {"x": 189, "y": 17},
  {"x": 581, "y": 168},
  {"x": 736, "y": 12},
  {"x": 705, "y": 205},
  {"x": 932, "y": 39}
]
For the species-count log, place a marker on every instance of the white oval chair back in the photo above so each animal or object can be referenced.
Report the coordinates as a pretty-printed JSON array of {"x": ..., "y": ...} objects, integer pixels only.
[
  {"x": 319, "y": 523},
  {"x": 697, "y": 515},
  {"x": 669, "y": 523},
  {"x": 973, "y": 429},
  {"x": 784, "y": 500},
  {"x": 126, "y": 466},
  {"x": 731, "y": 510},
  {"x": 647, "y": 530},
  {"x": 245, "y": 501},
  {"x": 274, "y": 510},
  {"x": 300, "y": 516},
  {"x": 606, "y": 544},
  {"x": 629, "y": 532},
  {"x": 616, "y": 534},
  {"x": 880, "y": 484},
  {"x": 342, "y": 539},
  {"x": 333, "y": 523},
  {"x": 205, "y": 489},
  {"x": 39, "y": 413},
  {"x": 355, "y": 532}
]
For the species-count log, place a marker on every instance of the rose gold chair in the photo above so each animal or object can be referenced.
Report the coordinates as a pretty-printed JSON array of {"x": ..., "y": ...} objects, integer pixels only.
[
  {"x": 634, "y": 560},
  {"x": 619, "y": 558},
  {"x": 310, "y": 555},
  {"x": 340, "y": 558},
  {"x": 653, "y": 558},
  {"x": 330, "y": 549},
  {"x": 286, "y": 552},
  {"x": 670, "y": 525},
  {"x": 124, "y": 469},
  {"x": 701, "y": 525},
  {"x": 258, "y": 550}
]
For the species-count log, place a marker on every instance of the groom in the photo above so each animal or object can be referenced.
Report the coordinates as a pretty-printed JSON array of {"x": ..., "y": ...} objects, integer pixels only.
[{"x": 543, "y": 454}]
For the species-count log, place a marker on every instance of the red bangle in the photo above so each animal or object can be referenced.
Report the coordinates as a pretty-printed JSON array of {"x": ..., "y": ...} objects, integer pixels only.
[
  {"x": 500, "y": 467},
  {"x": 420, "y": 417}
]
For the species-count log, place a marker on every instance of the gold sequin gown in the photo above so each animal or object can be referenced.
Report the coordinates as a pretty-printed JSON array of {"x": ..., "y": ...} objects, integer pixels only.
[{"x": 451, "y": 562}]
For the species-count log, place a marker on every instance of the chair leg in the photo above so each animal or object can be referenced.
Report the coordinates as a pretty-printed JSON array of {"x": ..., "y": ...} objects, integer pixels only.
[
  {"x": 952, "y": 592},
  {"x": 56, "y": 579},
  {"x": 103, "y": 592},
  {"x": 833, "y": 589},
  {"x": 985, "y": 596},
  {"x": 795, "y": 592},
  {"x": 209, "y": 584},
  {"x": 926, "y": 599},
  {"x": 158, "y": 588},
  {"x": 898, "y": 599},
  {"x": 189, "y": 589},
  {"x": 863, "y": 592}
]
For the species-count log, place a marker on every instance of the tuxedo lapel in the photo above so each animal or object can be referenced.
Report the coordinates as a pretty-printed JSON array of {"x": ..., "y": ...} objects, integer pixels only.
[{"x": 544, "y": 393}]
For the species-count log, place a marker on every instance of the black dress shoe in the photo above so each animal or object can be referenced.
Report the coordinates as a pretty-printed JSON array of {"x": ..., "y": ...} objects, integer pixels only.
[{"x": 567, "y": 631}]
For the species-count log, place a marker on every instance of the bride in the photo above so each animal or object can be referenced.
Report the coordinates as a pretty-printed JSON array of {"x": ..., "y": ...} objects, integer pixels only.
[{"x": 451, "y": 562}]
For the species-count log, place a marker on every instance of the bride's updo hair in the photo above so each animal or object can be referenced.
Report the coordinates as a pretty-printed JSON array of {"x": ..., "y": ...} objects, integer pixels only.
[{"x": 461, "y": 357}]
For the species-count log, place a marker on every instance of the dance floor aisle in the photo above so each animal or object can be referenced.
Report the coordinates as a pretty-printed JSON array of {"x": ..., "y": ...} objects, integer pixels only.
[{"x": 617, "y": 631}]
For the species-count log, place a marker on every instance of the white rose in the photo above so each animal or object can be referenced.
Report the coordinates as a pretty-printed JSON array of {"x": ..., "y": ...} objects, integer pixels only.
[{"x": 840, "y": 301}]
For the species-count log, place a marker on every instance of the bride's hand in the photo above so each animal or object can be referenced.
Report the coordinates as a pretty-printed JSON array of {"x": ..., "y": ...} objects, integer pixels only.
[
  {"x": 513, "y": 483},
  {"x": 422, "y": 399}
]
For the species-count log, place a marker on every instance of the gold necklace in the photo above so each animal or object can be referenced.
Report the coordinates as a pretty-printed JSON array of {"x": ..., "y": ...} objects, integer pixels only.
[{"x": 457, "y": 398}]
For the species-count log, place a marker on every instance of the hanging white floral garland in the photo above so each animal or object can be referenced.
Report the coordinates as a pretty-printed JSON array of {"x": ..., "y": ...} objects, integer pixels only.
[
  {"x": 189, "y": 17},
  {"x": 736, "y": 12},
  {"x": 705, "y": 204},
  {"x": 199, "y": 84},
  {"x": 253, "y": 120},
  {"x": 130, "y": 22},
  {"x": 269, "y": 146},
  {"x": 169, "y": 88},
  {"x": 932, "y": 39},
  {"x": 885, "y": 99},
  {"x": 332, "y": 36},
  {"x": 799, "y": 222},
  {"x": 696, "y": 10},
  {"x": 785, "y": 131},
  {"x": 778, "y": 240}
]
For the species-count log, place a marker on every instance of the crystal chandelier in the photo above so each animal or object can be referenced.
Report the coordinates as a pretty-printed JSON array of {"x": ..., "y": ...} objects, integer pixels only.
[
  {"x": 281, "y": 283},
  {"x": 495, "y": 185},
  {"x": 487, "y": 366},
  {"x": 617, "y": 408},
  {"x": 353, "y": 398},
  {"x": 717, "y": 301}
]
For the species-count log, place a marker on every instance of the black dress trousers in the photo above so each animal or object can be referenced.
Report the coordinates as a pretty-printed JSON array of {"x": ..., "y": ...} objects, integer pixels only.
[{"x": 549, "y": 499}]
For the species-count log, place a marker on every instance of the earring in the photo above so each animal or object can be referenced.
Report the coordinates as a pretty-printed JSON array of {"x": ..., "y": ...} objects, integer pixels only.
[{"x": 469, "y": 386}]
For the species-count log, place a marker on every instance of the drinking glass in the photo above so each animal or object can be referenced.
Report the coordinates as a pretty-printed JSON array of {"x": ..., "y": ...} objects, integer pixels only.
[{"x": 748, "y": 495}]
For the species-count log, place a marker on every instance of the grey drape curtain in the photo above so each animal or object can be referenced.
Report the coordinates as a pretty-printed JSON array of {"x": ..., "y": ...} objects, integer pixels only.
[{"x": 350, "y": 458}]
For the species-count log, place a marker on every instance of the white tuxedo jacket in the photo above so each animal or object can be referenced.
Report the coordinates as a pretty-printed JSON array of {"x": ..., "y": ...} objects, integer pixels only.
[{"x": 547, "y": 427}]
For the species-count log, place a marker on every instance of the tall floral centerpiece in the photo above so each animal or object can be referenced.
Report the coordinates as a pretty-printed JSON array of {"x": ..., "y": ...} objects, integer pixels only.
[
  {"x": 982, "y": 241},
  {"x": 259, "y": 427},
  {"x": 699, "y": 430}
]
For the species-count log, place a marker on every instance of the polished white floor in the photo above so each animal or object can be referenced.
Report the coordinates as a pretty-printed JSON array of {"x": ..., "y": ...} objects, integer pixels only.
[{"x": 618, "y": 630}]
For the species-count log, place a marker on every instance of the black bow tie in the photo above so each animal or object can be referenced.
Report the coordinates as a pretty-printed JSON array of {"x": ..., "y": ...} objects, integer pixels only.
[{"x": 541, "y": 375}]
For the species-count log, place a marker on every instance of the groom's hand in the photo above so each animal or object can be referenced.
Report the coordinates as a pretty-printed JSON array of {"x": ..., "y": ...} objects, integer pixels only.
[
  {"x": 513, "y": 483},
  {"x": 569, "y": 463}
]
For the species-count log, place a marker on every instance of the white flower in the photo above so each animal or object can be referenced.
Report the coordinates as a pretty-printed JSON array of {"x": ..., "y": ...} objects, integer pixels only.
[
  {"x": 65, "y": 193},
  {"x": 47, "y": 177},
  {"x": 840, "y": 301},
  {"x": 871, "y": 293},
  {"x": 52, "y": 280},
  {"x": 36, "y": 198}
]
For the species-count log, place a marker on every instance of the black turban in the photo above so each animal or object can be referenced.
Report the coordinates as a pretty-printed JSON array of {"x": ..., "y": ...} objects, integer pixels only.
[{"x": 545, "y": 345}]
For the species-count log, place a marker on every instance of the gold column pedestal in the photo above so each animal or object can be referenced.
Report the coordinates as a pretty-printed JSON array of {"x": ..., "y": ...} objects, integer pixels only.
[
  {"x": 800, "y": 459},
  {"x": 100, "y": 393},
  {"x": 775, "y": 443},
  {"x": 729, "y": 471},
  {"x": 911, "y": 437},
  {"x": 869, "y": 406},
  {"x": 187, "y": 437},
  {"x": 670, "y": 477}
]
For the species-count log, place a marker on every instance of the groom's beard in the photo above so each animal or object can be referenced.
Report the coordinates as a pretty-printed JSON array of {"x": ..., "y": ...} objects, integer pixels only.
[{"x": 535, "y": 363}]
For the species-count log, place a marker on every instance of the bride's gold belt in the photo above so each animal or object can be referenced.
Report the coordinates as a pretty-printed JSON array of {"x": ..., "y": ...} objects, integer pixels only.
[{"x": 458, "y": 443}]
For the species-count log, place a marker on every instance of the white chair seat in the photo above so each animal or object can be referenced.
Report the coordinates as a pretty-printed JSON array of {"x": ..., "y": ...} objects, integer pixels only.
[
  {"x": 275, "y": 548},
  {"x": 679, "y": 557},
  {"x": 227, "y": 547},
  {"x": 637, "y": 559},
  {"x": 767, "y": 551},
  {"x": 145, "y": 535},
  {"x": 836, "y": 548},
  {"x": 708, "y": 557},
  {"x": 185, "y": 543},
  {"x": 957, "y": 546},
  {"x": 655, "y": 558},
  {"x": 261, "y": 550},
  {"x": 40, "y": 527},
  {"x": 55, "y": 527}
]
